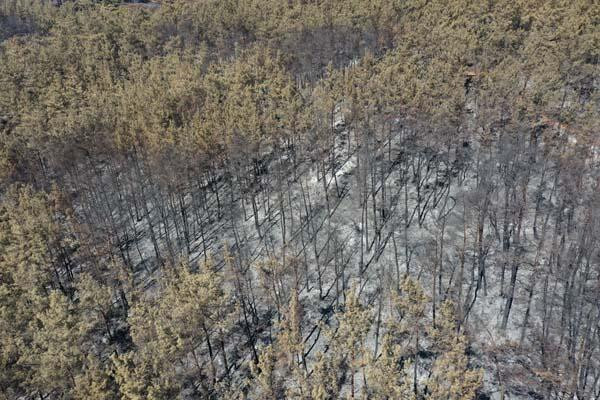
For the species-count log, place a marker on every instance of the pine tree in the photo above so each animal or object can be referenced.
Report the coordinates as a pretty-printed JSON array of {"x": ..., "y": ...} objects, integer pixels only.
[
  {"x": 325, "y": 381},
  {"x": 95, "y": 302},
  {"x": 189, "y": 311},
  {"x": 281, "y": 370},
  {"x": 390, "y": 375},
  {"x": 30, "y": 267},
  {"x": 269, "y": 378},
  {"x": 410, "y": 308},
  {"x": 138, "y": 377},
  {"x": 57, "y": 348},
  {"x": 451, "y": 378},
  {"x": 348, "y": 346},
  {"x": 94, "y": 382}
]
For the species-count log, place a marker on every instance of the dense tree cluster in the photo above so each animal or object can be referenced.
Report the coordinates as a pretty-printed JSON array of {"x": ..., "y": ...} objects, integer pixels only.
[{"x": 266, "y": 199}]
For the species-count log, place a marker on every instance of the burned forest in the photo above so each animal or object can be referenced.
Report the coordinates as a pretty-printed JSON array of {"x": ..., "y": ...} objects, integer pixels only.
[{"x": 303, "y": 199}]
